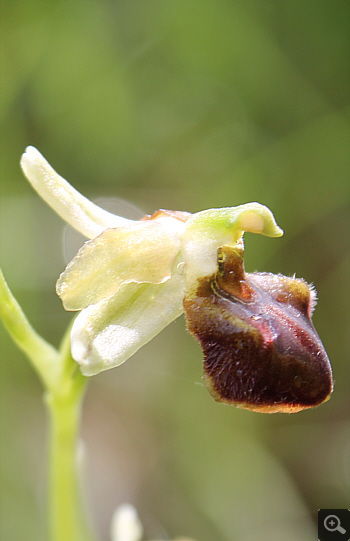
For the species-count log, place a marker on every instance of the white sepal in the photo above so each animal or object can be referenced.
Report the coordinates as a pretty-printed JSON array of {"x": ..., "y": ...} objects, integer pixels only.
[{"x": 73, "y": 207}]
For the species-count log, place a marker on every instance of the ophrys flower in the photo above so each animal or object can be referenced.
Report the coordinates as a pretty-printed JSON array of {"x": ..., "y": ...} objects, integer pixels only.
[{"x": 135, "y": 277}]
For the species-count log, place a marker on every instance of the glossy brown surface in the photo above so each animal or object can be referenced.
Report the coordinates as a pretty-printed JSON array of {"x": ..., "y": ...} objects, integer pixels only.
[{"x": 261, "y": 351}]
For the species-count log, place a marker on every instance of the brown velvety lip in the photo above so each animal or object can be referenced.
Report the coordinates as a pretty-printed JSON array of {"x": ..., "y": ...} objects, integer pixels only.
[{"x": 261, "y": 351}]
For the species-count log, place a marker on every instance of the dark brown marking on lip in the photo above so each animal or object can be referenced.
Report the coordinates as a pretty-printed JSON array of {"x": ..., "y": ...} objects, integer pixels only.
[{"x": 261, "y": 351}]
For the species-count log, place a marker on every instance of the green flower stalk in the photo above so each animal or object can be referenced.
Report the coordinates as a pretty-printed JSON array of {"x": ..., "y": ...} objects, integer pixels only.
[
  {"x": 43, "y": 357},
  {"x": 64, "y": 387}
]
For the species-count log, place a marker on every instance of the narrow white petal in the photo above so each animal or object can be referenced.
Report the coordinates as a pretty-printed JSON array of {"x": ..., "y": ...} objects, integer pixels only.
[
  {"x": 106, "y": 334},
  {"x": 73, "y": 207}
]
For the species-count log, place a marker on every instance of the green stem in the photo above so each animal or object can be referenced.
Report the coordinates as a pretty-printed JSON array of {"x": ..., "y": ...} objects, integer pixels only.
[
  {"x": 64, "y": 389},
  {"x": 66, "y": 516},
  {"x": 42, "y": 355}
]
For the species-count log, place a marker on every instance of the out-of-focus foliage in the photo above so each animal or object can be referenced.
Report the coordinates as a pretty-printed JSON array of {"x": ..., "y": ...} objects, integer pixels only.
[{"x": 182, "y": 105}]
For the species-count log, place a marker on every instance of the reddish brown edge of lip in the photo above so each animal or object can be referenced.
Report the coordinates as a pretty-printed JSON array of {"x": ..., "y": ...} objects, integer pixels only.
[{"x": 259, "y": 408}]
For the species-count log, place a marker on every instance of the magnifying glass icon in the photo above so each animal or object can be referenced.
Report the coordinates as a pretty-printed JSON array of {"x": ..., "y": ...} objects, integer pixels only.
[{"x": 332, "y": 524}]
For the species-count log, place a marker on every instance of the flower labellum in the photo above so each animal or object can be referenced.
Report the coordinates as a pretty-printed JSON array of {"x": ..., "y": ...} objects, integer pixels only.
[
  {"x": 261, "y": 350},
  {"x": 133, "y": 278}
]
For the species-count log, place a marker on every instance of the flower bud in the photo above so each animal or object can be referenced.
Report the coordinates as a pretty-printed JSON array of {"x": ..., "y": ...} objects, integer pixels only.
[{"x": 261, "y": 350}]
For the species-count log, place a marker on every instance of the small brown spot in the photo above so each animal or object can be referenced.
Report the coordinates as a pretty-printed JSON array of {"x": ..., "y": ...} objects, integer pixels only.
[{"x": 178, "y": 214}]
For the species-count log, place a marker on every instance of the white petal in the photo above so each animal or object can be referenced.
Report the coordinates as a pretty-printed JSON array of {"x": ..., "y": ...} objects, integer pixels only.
[
  {"x": 126, "y": 525},
  {"x": 141, "y": 252},
  {"x": 73, "y": 207},
  {"x": 106, "y": 334}
]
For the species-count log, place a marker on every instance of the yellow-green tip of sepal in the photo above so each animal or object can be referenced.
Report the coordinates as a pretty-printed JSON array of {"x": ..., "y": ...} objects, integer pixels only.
[
  {"x": 256, "y": 218},
  {"x": 234, "y": 221}
]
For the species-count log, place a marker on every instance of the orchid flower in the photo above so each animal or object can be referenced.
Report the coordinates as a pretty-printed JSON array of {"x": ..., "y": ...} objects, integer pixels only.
[{"x": 133, "y": 278}]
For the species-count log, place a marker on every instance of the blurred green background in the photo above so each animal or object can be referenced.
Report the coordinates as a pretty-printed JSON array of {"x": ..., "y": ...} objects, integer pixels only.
[{"x": 182, "y": 105}]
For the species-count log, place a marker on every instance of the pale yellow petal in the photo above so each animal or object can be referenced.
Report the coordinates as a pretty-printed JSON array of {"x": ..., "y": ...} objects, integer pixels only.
[
  {"x": 141, "y": 252},
  {"x": 108, "y": 333}
]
